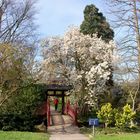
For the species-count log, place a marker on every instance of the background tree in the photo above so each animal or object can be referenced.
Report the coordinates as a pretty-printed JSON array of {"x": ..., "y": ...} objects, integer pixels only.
[
  {"x": 125, "y": 20},
  {"x": 125, "y": 16},
  {"x": 83, "y": 61},
  {"x": 17, "y": 46},
  {"x": 17, "y": 86},
  {"x": 14, "y": 70},
  {"x": 17, "y": 21},
  {"x": 18, "y": 43},
  {"x": 95, "y": 22}
]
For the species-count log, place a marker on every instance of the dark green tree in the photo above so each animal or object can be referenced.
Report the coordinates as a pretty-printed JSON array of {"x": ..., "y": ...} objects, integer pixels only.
[{"x": 95, "y": 22}]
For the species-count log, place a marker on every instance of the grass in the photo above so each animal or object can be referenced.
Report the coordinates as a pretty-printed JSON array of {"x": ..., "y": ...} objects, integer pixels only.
[
  {"x": 10, "y": 135},
  {"x": 112, "y": 134},
  {"x": 117, "y": 137}
]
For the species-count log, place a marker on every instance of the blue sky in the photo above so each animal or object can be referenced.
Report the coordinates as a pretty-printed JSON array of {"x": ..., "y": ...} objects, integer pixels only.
[{"x": 55, "y": 16}]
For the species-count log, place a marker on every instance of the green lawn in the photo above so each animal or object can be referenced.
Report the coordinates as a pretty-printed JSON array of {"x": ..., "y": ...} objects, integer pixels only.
[
  {"x": 112, "y": 133},
  {"x": 117, "y": 137},
  {"x": 22, "y": 136}
]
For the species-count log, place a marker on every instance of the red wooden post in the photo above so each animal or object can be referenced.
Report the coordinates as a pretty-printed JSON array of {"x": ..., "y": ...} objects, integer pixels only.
[
  {"x": 76, "y": 113},
  {"x": 68, "y": 105},
  {"x": 47, "y": 111},
  {"x": 49, "y": 114}
]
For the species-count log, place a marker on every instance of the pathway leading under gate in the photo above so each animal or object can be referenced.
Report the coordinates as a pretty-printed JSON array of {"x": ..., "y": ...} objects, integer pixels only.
[{"x": 63, "y": 128}]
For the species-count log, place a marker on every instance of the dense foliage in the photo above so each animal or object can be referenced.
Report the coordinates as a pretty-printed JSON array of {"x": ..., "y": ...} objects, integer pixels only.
[
  {"x": 14, "y": 69},
  {"x": 106, "y": 114},
  {"x": 95, "y": 22},
  {"x": 116, "y": 117},
  {"x": 19, "y": 112},
  {"x": 125, "y": 118},
  {"x": 18, "y": 94}
]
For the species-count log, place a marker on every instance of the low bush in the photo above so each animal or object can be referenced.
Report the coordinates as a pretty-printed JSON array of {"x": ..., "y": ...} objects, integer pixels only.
[
  {"x": 18, "y": 112},
  {"x": 124, "y": 119},
  {"x": 16, "y": 122},
  {"x": 113, "y": 117}
]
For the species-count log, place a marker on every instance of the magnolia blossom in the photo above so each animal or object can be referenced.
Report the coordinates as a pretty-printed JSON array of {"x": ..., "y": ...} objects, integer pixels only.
[
  {"x": 96, "y": 78},
  {"x": 83, "y": 61}
]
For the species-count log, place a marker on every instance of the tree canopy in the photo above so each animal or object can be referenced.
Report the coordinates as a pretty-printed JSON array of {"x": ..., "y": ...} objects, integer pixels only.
[
  {"x": 82, "y": 61},
  {"x": 95, "y": 22}
]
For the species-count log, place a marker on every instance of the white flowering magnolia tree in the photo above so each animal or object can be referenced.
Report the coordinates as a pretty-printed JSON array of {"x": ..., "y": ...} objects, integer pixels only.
[{"x": 83, "y": 61}]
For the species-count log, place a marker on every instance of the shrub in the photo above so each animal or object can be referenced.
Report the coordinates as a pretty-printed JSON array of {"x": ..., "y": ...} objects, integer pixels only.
[
  {"x": 16, "y": 122},
  {"x": 125, "y": 118},
  {"x": 18, "y": 112},
  {"x": 106, "y": 114}
]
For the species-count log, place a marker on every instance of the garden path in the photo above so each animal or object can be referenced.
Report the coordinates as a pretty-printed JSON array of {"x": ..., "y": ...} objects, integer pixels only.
[{"x": 62, "y": 128}]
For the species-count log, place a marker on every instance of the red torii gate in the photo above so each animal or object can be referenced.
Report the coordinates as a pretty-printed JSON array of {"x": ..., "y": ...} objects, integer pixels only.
[{"x": 58, "y": 90}]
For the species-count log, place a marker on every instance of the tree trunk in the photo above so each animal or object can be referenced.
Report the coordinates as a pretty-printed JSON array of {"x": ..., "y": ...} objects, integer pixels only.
[{"x": 136, "y": 26}]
